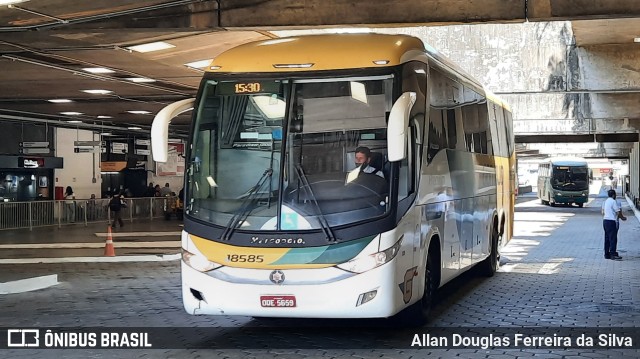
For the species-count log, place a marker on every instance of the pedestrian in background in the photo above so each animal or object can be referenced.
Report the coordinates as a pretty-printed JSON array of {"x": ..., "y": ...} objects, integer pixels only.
[
  {"x": 115, "y": 205},
  {"x": 70, "y": 205},
  {"x": 165, "y": 191},
  {"x": 611, "y": 214}
]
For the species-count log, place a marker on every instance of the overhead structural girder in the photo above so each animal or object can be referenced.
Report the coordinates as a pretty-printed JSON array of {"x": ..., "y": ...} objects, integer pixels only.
[{"x": 576, "y": 138}]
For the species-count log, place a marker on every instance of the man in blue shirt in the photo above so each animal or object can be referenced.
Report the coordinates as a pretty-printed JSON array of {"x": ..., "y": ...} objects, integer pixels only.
[{"x": 611, "y": 213}]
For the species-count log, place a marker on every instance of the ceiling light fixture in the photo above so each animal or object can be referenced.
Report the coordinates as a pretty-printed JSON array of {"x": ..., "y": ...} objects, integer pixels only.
[
  {"x": 9, "y": 2},
  {"x": 71, "y": 113},
  {"x": 140, "y": 79},
  {"x": 60, "y": 100},
  {"x": 74, "y": 121},
  {"x": 139, "y": 112},
  {"x": 134, "y": 128},
  {"x": 98, "y": 70},
  {"x": 198, "y": 64},
  {"x": 152, "y": 46},
  {"x": 636, "y": 39},
  {"x": 104, "y": 116},
  {"x": 97, "y": 92}
]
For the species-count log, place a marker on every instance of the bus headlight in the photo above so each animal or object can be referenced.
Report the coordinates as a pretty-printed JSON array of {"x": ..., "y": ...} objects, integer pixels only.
[
  {"x": 198, "y": 262},
  {"x": 366, "y": 263}
]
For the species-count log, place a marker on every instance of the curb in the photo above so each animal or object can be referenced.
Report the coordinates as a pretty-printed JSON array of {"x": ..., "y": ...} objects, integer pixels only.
[
  {"x": 148, "y": 258},
  {"x": 29, "y": 284},
  {"x": 633, "y": 208}
]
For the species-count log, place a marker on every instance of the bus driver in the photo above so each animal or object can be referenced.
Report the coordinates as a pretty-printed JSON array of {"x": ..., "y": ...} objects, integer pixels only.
[{"x": 363, "y": 157}]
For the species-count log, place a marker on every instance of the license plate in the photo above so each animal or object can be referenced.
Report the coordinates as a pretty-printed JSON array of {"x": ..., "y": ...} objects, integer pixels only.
[{"x": 278, "y": 301}]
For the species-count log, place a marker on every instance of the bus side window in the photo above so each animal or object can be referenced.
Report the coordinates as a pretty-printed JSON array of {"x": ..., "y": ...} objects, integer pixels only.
[
  {"x": 407, "y": 167},
  {"x": 414, "y": 80},
  {"x": 437, "y": 139}
]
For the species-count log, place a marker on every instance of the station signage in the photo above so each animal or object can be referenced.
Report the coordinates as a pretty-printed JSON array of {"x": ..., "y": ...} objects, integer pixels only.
[
  {"x": 30, "y": 162},
  {"x": 87, "y": 143},
  {"x": 34, "y": 144},
  {"x": 112, "y": 166},
  {"x": 117, "y": 147},
  {"x": 85, "y": 150},
  {"x": 143, "y": 152},
  {"x": 37, "y": 150}
]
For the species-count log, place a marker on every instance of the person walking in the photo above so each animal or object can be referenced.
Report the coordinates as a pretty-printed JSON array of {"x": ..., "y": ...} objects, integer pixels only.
[
  {"x": 70, "y": 205},
  {"x": 614, "y": 183},
  {"x": 611, "y": 214},
  {"x": 115, "y": 205}
]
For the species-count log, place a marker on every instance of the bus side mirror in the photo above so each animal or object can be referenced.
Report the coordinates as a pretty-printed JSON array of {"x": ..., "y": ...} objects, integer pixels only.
[
  {"x": 160, "y": 127},
  {"x": 397, "y": 127}
]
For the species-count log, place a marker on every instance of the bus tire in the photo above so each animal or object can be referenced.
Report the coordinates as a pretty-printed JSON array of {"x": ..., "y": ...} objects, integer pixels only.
[
  {"x": 489, "y": 266},
  {"x": 580, "y": 205},
  {"x": 418, "y": 313},
  {"x": 552, "y": 203}
]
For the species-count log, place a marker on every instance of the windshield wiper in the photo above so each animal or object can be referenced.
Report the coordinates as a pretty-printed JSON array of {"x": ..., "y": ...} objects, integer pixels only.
[
  {"x": 324, "y": 224},
  {"x": 247, "y": 205}
]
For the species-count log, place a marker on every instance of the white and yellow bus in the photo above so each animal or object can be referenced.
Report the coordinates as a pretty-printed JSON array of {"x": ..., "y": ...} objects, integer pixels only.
[{"x": 279, "y": 221}]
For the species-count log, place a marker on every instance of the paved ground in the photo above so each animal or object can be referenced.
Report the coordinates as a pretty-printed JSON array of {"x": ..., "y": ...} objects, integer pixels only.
[{"x": 553, "y": 275}]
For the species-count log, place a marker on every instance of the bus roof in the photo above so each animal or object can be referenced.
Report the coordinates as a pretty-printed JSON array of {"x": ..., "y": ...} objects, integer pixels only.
[
  {"x": 567, "y": 161},
  {"x": 317, "y": 52}
]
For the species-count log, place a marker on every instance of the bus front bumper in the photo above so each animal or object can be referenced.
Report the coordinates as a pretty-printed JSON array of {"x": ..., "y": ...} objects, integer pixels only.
[
  {"x": 560, "y": 198},
  {"x": 204, "y": 294}
]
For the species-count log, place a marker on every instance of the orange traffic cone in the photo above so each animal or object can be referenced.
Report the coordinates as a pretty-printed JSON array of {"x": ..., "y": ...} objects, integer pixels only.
[{"x": 109, "y": 251}]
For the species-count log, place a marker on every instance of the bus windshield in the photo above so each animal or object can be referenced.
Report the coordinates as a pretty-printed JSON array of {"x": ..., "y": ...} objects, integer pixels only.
[
  {"x": 279, "y": 154},
  {"x": 570, "y": 178}
]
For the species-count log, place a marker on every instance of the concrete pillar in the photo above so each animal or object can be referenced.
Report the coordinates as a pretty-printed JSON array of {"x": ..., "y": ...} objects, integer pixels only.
[{"x": 634, "y": 174}]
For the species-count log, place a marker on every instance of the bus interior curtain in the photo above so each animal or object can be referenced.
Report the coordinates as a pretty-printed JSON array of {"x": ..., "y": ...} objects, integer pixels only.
[{"x": 233, "y": 110}]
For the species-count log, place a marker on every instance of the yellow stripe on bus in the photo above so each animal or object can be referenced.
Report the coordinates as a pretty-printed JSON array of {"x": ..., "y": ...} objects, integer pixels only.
[{"x": 247, "y": 257}]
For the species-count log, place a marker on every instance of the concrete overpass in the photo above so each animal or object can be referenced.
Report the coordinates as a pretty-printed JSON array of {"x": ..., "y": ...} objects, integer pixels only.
[{"x": 574, "y": 81}]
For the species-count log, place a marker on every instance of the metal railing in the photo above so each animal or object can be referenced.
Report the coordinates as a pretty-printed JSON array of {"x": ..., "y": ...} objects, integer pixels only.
[{"x": 14, "y": 215}]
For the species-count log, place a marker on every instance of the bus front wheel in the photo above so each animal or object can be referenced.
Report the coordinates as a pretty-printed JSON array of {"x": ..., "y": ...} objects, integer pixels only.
[{"x": 418, "y": 313}]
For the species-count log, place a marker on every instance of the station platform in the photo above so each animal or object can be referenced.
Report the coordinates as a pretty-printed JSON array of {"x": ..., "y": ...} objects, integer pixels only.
[{"x": 78, "y": 243}]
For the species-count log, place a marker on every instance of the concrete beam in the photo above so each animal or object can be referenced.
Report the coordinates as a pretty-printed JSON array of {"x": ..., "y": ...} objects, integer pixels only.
[
  {"x": 196, "y": 16},
  {"x": 302, "y": 14},
  {"x": 311, "y": 13},
  {"x": 547, "y": 10},
  {"x": 308, "y": 13},
  {"x": 573, "y": 138}
]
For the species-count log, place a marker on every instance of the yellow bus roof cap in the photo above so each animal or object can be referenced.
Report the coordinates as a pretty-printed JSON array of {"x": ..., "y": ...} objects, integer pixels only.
[{"x": 316, "y": 53}]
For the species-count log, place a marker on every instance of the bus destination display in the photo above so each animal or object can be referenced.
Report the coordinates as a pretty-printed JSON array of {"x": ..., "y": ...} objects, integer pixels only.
[{"x": 248, "y": 88}]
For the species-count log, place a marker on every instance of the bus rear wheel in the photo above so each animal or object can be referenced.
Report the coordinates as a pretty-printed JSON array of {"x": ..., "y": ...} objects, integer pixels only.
[{"x": 489, "y": 266}]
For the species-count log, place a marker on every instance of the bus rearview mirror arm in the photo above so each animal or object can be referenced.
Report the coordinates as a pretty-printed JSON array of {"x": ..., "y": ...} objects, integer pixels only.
[
  {"x": 160, "y": 127},
  {"x": 397, "y": 127}
]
